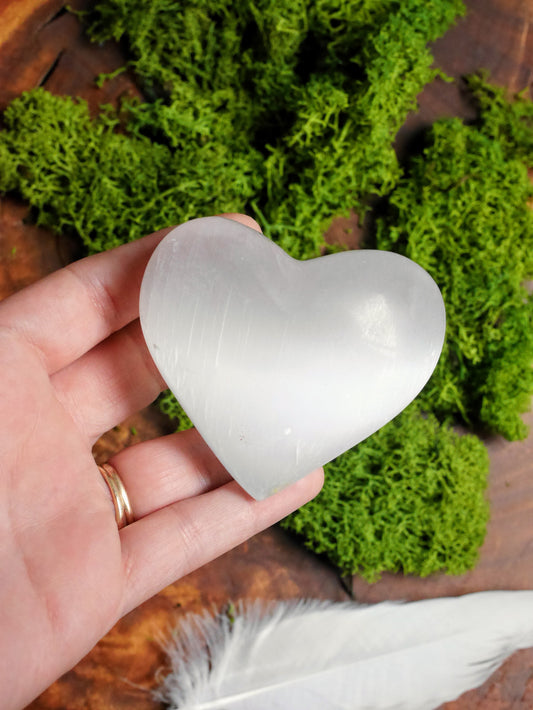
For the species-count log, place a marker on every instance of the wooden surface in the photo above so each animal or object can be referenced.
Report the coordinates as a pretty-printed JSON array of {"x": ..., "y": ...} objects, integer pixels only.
[{"x": 40, "y": 44}]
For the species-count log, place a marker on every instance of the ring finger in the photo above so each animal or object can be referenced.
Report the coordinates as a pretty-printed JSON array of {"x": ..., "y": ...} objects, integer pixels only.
[{"x": 168, "y": 469}]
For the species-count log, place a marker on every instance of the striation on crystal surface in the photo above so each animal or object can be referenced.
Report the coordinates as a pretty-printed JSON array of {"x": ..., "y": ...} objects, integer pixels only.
[{"x": 281, "y": 364}]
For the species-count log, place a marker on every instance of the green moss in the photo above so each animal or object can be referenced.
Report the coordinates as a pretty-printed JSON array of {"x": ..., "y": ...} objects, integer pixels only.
[
  {"x": 408, "y": 499},
  {"x": 287, "y": 110},
  {"x": 463, "y": 214},
  {"x": 171, "y": 407},
  {"x": 319, "y": 89},
  {"x": 508, "y": 122},
  {"x": 83, "y": 176}
]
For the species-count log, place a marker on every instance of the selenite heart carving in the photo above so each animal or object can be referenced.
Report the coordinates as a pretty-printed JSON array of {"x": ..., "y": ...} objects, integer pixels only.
[{"x": 283, "y": 364}]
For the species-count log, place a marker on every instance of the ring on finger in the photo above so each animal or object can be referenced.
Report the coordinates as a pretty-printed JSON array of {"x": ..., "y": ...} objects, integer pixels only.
[{"x": 119, "y": 495}]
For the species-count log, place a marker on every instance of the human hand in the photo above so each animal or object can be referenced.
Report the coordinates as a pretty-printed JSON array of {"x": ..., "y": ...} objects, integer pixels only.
[{"x": 74, "y": 364}]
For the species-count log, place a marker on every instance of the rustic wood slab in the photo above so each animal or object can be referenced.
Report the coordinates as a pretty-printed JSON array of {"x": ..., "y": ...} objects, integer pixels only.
[
  {"x": 495, "y": 36},
  {"x": 41, "y": 44}
]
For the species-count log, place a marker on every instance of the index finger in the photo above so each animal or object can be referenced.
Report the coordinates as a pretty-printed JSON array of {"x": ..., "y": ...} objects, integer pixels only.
[{"x": 68, "y": 312}]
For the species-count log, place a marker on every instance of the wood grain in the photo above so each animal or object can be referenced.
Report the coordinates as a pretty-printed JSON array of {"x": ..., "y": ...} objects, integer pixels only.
[
  {"x": 496, "y": 36},
  {"x": 40, "y": 44},
  {"x": 121, "y": 670},
  {"x": 28, "y": 252},
  {"x": 17, "y": 18}
]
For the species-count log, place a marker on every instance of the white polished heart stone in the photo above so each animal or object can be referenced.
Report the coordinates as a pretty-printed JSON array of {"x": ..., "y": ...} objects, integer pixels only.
[{"x": 283, "y": 364}]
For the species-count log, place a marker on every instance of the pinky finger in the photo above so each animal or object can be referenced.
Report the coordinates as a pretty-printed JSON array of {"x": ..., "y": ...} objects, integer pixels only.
[{"x": 173, "y": 541}]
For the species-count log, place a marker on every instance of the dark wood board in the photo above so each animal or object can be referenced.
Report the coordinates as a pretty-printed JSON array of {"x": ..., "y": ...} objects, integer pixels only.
[{"x": 41, "y": 44}]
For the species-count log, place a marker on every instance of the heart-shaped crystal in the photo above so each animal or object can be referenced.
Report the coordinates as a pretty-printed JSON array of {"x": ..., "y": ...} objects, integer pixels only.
[{"x": 283, "y": 364}]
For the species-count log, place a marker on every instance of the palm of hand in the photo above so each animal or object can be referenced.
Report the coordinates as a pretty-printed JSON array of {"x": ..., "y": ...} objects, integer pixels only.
[
  {"x": 60, "y": 542},
  {"x": 74, "y": 364}
]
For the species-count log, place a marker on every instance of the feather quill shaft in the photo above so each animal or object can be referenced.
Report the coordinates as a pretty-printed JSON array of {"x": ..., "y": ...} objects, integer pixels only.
[{"x": 327, "y": 656}]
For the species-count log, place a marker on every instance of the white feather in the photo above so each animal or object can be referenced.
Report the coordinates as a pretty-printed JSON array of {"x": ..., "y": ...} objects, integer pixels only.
[{"x": 327, "y": 656}]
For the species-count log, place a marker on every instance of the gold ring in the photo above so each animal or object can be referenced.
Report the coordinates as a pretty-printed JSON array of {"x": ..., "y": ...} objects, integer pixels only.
[{"x": 123, "y": 511}]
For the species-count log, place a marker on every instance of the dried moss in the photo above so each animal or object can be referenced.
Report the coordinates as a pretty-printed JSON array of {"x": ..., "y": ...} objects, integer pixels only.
[
  {"x": 408, "y": 499},
  {"x": 284, "y": 110},
  {"x": 83, "y": 176},
  {"x": 463, "y": 214},
  {"x": 508, "y": 122}
]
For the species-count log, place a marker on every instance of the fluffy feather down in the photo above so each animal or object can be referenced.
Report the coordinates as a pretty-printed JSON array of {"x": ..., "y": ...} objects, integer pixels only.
[{"x": 327, "y": 656}]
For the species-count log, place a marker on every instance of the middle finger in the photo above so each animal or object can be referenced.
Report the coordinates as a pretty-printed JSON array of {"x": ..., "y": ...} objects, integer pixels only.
[{"x": 113, "y": 380}]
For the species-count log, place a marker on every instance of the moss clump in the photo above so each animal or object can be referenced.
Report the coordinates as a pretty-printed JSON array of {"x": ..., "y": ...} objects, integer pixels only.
[
  {"x": 508, "y": 122},
  {"x": 285, "y": 110},
  {"x": 83, "y": 176},
  {"x": 408, "y": 499},
  {"x": 463, "y": 214},
  {"x": 320, "y": 89}
]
